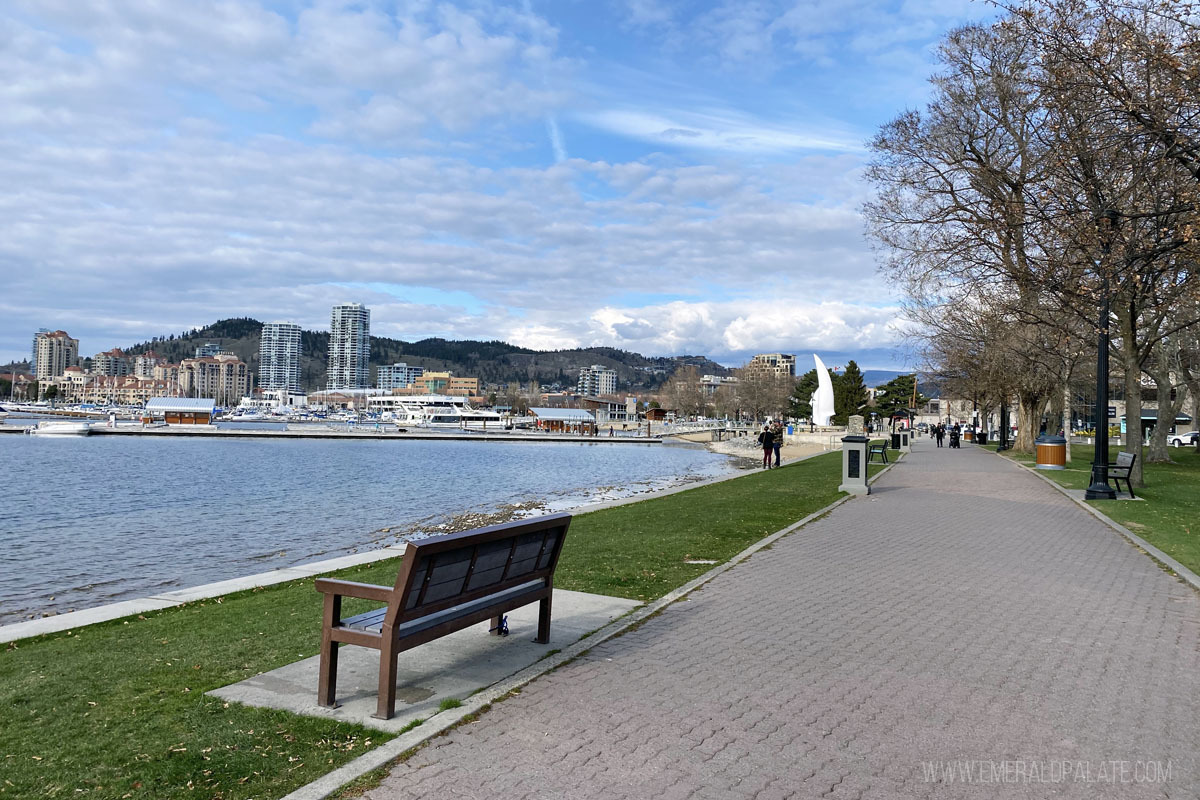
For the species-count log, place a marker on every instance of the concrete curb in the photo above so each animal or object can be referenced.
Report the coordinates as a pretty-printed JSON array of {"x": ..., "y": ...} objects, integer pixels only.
[
  {"x": 440, "y": 723},
  {"x": 127, "y": 608},
  {"x": 1180, "y": 570}
]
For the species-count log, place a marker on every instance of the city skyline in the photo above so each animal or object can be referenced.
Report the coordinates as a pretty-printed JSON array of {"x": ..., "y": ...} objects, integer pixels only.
[{"x": 643, "y": 175}]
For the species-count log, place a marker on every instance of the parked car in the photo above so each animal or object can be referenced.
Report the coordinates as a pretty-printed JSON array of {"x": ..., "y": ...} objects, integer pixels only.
[{"x": 1180, "y": 439}]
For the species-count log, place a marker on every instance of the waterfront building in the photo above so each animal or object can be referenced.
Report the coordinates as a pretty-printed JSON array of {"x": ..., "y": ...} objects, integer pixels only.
[
  {"x": 279, "y": 356},
  {"x": 709, "y": 384},
  {"x": 597, "y": 379},
  {"x": 55, "y": 351},
  {"x": 143, "y": 365},
  {"x": 564, "y": 420},
  {"x": 34, "y": 349},
  {"x": 223, "y": 377},
  {"x": 397, "y": 376},
  {"x": 609, "y": 412},
  {"x": 441, "y": 383},
  {"x": 208, "y": 350},
  {"x": 349, "y": 347},
  {"x": 180, "y": 410},
  {"x": 111, "y": 362},
  {"x": 773, "y": 364}
]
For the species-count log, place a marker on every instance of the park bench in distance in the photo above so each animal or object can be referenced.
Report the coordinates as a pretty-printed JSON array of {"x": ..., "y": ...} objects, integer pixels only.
[
  {"x": 1120, "y": 471},
  {"x": 445, "y": 584},
  {"x": 877, "y": 448}
]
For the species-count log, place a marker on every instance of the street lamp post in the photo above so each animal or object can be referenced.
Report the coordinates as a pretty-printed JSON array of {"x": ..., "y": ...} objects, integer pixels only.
[{"x": 1100, "y": 490}]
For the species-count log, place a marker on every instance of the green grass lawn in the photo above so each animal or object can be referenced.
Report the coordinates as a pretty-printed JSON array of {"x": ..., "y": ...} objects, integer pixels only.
[
  {"x": 1169, "y": 518},
  {"x": 117, "y": 710}
]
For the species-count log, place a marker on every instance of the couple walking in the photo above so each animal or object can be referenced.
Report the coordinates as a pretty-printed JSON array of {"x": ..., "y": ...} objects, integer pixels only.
[{"x": 771, "y": 440}]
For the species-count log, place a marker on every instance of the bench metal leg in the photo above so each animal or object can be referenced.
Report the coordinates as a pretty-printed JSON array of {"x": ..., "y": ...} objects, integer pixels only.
[
  {"x": 543, "y": 634},
  {"x": 387, "y": 679},
  {"x": 327, "y": 682}
]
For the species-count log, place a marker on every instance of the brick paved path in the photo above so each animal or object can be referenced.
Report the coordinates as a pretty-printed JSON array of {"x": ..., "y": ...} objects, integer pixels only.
[{"x": 964, "y": 612}]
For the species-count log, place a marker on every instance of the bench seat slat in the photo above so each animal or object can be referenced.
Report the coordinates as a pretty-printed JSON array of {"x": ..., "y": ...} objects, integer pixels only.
[{"x": 372, "y": 621}]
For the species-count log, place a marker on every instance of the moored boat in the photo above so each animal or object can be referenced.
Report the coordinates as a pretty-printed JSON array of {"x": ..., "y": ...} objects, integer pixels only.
[{"x": 61, "y": 428}]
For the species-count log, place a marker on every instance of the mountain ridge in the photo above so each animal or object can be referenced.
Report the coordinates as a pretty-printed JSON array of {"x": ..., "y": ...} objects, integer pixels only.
[{"x": 493, "y": 362}]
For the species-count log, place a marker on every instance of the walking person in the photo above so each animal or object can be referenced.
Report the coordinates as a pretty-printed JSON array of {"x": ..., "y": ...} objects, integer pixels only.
[
  {"x": 766, "y": 441},
  {"x": 777, "y": 439},
  {"x": 941, "y": 434}
]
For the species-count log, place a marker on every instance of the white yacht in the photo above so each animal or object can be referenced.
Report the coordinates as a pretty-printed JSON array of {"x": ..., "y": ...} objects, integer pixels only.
[
  {"x": 436, "y": 411},
  {"x": 61, "y": 428}
]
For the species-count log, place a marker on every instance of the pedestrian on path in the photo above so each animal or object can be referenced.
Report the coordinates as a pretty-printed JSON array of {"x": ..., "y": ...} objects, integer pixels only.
[
  {"x": 941, "y": 434},
  {"x": 766, "y": 440},
  {"x": 777, "y": 439}
]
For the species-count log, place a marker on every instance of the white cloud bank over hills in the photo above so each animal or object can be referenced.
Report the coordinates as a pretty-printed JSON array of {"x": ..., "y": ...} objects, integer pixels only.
[{"x": 167, "y": 165}]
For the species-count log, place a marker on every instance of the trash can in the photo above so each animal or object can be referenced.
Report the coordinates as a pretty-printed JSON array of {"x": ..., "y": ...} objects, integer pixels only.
[
  {"x": 895, "y": 441},
  {"x": 968, "y": 436},
  {"x": 1051, "y": 452},
  {"x": 981, "y": 437}
]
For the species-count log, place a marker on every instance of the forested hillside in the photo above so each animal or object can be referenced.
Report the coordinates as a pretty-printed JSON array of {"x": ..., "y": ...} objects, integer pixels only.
[{"x": 492, "y": 362}]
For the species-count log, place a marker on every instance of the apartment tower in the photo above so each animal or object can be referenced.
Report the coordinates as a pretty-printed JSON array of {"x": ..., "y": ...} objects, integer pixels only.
[
  {"x": 349, "y": 347},
  {"x": 55, "y": 352},
  {"x": 279, "y": 356}
]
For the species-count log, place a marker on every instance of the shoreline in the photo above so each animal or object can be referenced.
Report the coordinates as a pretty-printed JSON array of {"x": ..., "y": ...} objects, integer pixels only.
[
  {"x": 389, "y": 539},
  {"x": 70, "y": 620}
]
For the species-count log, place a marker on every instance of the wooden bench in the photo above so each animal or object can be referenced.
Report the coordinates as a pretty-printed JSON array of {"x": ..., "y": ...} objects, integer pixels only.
[
  {"x": 877, "y": 449},
  {"x": 1120, "y": 471},
  {"x": 445, "y": 584}
]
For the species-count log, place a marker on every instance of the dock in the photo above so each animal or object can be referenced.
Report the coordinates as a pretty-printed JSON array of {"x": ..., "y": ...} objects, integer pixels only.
[{"x": 366, "y": 433}]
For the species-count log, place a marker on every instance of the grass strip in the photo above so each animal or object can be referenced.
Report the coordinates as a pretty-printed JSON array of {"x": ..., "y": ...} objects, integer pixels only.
[
  {"x": 1169, "y": 518},
  {"x": 118, "y": 710}
]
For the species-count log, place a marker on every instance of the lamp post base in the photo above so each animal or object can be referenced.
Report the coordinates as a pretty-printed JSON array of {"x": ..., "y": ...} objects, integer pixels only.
[{"x": 1100, "y": 490}]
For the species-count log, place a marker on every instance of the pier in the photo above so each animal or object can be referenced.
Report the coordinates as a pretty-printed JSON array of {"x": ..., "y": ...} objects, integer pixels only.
[{"x": 365, "y": 432}]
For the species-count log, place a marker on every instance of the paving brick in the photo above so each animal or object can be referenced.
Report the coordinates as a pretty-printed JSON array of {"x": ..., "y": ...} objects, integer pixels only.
[{"x": 962, "y": 614}]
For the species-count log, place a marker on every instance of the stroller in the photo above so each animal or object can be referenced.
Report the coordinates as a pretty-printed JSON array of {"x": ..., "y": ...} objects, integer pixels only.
[{"x": 955, "y": 433}]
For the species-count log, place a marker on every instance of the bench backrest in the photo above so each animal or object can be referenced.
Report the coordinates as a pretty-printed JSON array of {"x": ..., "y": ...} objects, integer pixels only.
[
  {"x": 444, "y": 571},
  {"x": 1125, "y": 459}
]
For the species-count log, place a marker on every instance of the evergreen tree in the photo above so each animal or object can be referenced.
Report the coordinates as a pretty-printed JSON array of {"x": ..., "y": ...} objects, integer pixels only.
[
  {"x": 849, "y": 394},
  {"x": 897, "y": 395}
]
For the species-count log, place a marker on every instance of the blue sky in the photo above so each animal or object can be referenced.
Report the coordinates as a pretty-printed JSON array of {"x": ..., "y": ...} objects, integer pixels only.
[{"x": 664, "y": 177}]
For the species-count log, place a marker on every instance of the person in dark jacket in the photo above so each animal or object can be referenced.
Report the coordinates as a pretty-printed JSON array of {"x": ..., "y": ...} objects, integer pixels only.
[
  {"x": 766, "y": 441},
  {"x": 777, "y": 440}
]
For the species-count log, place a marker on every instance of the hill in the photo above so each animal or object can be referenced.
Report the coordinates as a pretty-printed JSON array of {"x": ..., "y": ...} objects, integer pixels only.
[{"x": 494, "y": 362}]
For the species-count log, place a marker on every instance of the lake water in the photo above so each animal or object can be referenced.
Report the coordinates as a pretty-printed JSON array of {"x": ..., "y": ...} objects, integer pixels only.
[{"x": 94, "y": 520}]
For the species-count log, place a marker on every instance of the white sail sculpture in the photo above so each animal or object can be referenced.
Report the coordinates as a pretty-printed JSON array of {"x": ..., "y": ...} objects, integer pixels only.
[{"x": 822, "y": 398}]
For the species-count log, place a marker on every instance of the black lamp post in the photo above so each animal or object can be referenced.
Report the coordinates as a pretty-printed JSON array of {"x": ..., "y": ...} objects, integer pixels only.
[
  {"x": 1003, "y": 445},
  {"x": 1100, "y": 490}
]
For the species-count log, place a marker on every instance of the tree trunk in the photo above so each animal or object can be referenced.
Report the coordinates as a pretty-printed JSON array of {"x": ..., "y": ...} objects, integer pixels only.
[
  {"x": 1168, "y": 409},
  {"x": 1029, "y": 415},
  {"x": 1066, "y": 416},
  {"x": 1133, "y": 405}
]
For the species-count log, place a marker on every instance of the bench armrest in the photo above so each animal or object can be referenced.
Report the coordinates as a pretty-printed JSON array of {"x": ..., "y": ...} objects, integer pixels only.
[{"x": 366, "y": 591}]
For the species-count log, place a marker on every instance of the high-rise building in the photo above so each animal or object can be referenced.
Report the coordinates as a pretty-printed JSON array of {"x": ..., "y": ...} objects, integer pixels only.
[
  {"x": 773, "y": 364},
  {"x": 349, "y": 347},
  {"x": 33, "y": 353},
  {"x": 112, "y": 363},
  {"x": 143, "y": 365},
  {"x": 597, "y": 380},
  {"x": 208, "y": 350},
  {"x": 279, "y": 356},
  {"x": 54, "y": 352},
  {"x": 397, "y": 376}
]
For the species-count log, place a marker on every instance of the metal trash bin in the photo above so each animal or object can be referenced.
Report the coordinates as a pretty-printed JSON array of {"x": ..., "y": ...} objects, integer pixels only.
[
  {"x": 895, "y": 441},
  {"x": 981, "y": 437},
  {"x": 1051, "y": 452}
]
